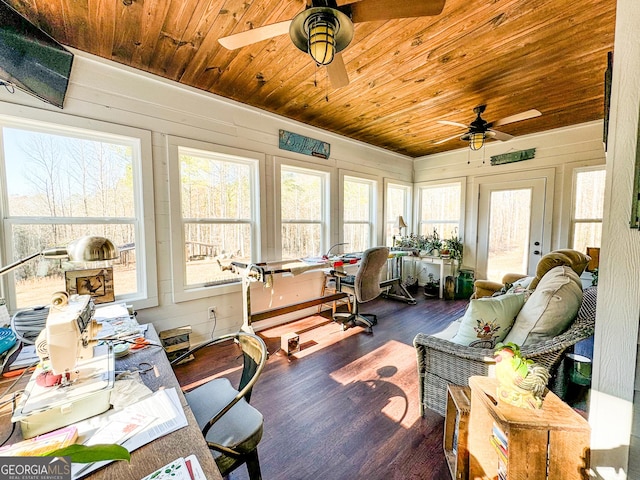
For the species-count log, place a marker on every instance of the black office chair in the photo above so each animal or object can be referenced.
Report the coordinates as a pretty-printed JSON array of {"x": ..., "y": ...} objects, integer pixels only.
[
  {"x": 365, "y": 287},
  {"x": 231, "y": 427}
]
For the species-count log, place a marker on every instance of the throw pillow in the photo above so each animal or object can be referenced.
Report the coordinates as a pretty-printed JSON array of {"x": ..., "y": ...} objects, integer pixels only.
[
  {"x": 550, "y": 309},
  {"x": 488, "y": 320}
]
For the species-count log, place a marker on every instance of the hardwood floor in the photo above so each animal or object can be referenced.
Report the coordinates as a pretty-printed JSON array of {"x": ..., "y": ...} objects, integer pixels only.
[{"x": 345, "y": 406}]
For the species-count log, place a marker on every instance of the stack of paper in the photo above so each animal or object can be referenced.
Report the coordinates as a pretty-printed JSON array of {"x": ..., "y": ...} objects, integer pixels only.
[{"x": 132, "y": 427}]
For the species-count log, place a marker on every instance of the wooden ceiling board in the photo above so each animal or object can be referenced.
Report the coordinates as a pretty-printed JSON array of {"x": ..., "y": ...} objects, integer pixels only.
[{"x": 512, "y": 55}]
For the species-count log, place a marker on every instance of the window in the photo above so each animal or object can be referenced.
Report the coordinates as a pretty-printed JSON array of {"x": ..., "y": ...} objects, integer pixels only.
[
  {"x": 588, "y": 207},
  {"x": 440, "y": 209},
  {"x": 398, "y": 203},
  {"x": 358, "y": 213},
  {"x": 214, "y": 195},
  {"x": 303, "y": 214},
  {"x": 62, "y": 183}
]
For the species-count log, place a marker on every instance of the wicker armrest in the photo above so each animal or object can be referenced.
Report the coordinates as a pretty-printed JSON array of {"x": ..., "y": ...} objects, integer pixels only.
[
  {"x": 423, "y": 341},
  {"x": 441, "y": 363}
]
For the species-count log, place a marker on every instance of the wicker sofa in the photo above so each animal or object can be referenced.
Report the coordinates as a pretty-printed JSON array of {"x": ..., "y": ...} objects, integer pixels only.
[{"x": 442, "y": 362}]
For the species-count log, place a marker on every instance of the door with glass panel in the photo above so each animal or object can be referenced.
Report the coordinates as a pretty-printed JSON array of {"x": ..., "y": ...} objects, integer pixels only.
[{"x": 511, "y": 233}]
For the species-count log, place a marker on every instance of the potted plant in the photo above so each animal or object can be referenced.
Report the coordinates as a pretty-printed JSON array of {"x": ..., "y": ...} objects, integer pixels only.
[
  {"x": 454, "y": 247},
  {"x": 433, "y": 244}
]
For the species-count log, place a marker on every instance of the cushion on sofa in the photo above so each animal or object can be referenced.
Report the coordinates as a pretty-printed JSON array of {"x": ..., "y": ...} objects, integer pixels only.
[
  {"x": 578, "y": 261},
  {"x": 550, "y": 309},
  {"x": 488, "y": 320}
]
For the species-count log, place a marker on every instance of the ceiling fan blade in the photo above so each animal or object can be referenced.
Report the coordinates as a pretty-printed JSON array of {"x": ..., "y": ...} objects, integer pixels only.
[
  {"x": 370, "y": 10},
  {"x": 447, "y": 139},
  {"x": 338, "y": 72},
  {"x": 255, "y": 35},
  {"x": 499, "y": 135},
  {"x": 455, "y": 124},
  {"x": 517, "y": 117}
]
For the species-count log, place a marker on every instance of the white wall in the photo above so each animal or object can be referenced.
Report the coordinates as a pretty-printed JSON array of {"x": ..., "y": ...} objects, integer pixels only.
[
  {"x": 618, "y": 312},
  {"x": 109, "y": 92},
  {"x": 557, "y": 151}
]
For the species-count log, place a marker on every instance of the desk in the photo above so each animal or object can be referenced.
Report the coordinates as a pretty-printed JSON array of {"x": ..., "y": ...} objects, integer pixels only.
[
  {"x": 150, "y": 457},
  {"x": 437, "y": 261}
]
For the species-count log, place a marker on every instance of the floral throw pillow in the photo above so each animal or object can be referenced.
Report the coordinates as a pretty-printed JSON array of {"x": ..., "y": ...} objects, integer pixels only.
[{"x": 488, "y": 320}]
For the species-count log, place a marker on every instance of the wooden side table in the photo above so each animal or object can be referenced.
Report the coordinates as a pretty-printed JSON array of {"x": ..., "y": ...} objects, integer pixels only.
[
  {"x": 456, "y": 430},
  {"x": 549, "y": 443}
]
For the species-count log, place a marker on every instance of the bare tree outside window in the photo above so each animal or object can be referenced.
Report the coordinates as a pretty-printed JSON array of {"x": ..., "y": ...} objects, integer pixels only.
[{"x": 61, "y": 187}]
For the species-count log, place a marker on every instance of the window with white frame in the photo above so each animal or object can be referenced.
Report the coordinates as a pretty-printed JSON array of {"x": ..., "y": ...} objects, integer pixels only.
[
  {"x": 303, "y": 211},
  {"x": 440, "y": 209},
  {"x": 358, "y": 213},
  {"x": 588, "y": 207},
  {"x": 215, "y": 214},
  {"x": 61, "y": 183},
  {"x": 398, "y": 204}
]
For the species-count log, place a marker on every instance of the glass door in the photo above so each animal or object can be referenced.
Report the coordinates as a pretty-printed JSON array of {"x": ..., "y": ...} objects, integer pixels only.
[{"x": 511, "y": 226}]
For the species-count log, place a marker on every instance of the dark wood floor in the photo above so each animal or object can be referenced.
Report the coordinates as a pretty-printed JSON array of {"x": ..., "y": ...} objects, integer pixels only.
[{"x": 346, "y": 406}]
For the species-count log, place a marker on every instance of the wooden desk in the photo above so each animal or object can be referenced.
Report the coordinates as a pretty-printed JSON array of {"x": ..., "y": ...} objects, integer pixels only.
[{"x": 150, "y": 457}]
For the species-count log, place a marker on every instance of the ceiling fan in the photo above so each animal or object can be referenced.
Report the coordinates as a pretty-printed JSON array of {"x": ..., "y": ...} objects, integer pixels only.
[
  {"x": 324, "y": 29},
  {"x": 480, "y": 129}
]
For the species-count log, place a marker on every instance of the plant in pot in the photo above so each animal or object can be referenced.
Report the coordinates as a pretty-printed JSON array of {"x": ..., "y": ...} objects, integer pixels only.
[
  {"x": 432, "y": 287},
  {"x": 454, "y": 247},
  {"x": 433, "y": 244}
]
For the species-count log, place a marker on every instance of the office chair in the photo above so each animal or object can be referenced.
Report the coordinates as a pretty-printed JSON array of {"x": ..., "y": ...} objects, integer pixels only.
[
  {"x": 365, "y": 287},
  {"x": 231, "y": 427}
]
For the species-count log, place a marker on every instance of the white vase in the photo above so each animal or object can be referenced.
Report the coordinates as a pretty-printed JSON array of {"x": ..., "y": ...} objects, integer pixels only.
[{"x": 435, "y": 252}]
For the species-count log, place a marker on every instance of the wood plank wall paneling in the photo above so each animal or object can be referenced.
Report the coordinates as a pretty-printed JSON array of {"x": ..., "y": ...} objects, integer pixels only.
[{"x": 405, "y": 74}]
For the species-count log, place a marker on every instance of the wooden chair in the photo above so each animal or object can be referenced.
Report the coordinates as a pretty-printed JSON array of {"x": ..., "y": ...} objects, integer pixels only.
[{"x": 230, "y": 425}]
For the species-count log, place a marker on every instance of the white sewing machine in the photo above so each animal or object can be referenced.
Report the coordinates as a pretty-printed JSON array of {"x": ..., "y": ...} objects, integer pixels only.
[{"x": 66, "y": 347}]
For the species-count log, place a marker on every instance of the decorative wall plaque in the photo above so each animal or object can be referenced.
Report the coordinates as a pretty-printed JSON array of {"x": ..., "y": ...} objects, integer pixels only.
[
  {"x": 512, "y": 157},
  {"x": 305, "y": 145}
]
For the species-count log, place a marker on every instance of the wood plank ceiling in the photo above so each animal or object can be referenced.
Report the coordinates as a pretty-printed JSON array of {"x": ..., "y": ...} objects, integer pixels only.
[{"x": 512, "y": 55}]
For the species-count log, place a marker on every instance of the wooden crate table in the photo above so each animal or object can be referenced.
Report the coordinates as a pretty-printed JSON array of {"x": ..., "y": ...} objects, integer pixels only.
[
  {"x": 456, "y": 430},
  {"x": 549, "y": 443}
]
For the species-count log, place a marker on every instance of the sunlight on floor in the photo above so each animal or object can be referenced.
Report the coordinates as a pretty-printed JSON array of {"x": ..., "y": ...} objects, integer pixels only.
[{"x": 401, "y": 407}]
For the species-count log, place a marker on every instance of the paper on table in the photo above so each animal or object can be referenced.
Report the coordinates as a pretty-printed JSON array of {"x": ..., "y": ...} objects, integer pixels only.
[
  {"x": 170, "y": 417},
  {"x": 195, "y": 469},
  {"x": 120, "y": 426},
  {"x": 176, "y": 470}
]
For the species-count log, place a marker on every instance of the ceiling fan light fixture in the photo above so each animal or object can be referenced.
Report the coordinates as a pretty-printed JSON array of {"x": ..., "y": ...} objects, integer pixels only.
[
  {"x": 475, "y": 139},
  {"x": 321, "y": 32}
]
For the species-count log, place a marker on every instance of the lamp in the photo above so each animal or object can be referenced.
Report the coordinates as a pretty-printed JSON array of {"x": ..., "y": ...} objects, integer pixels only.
[
  {"x": 84, "y": 249},
  {"x": 400, "y": 224},
  {"x": 475, "y": 139},
  {"x": 321, "y": 32},
  {"x": 322, "y": 41}
]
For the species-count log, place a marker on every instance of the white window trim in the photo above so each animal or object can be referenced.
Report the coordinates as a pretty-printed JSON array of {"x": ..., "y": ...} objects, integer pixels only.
[
  {"x": 417, "y": 219},
  {"x": 375, "y": 206},
  {"x": 407, "y": 213},
  {"x": 574, "y": 178},
  {"x": 53, "y": 122},
  {"x": 325, "y": 173},
  {"x": 180, "y": 293}
]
